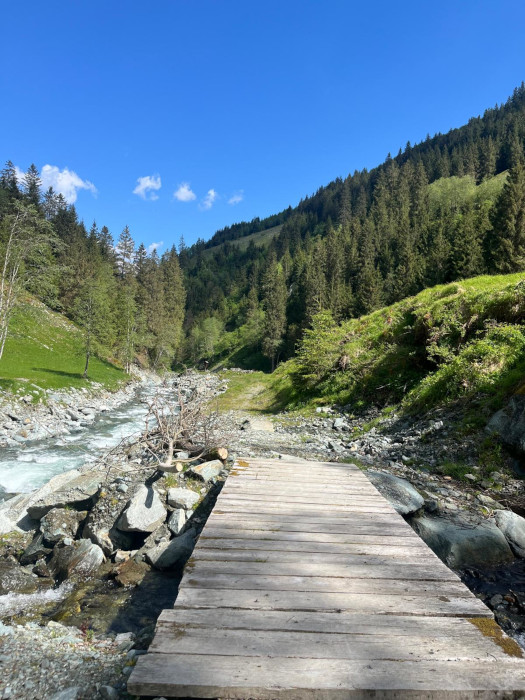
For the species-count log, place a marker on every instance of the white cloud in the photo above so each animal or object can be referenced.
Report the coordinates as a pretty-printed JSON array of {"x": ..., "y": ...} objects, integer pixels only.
[
  {"x": 236, "y": 197},
  {"x": 208, "y": 201},
  {"x": 66, "y": 182},
  {"x": 155, "y": 246},
  {"x": 185, "y": 193},
  {"x": 147, "y": 186}
]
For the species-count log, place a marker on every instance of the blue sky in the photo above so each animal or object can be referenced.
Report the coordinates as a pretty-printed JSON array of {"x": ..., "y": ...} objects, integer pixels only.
[{"x": 232, "y": 109}]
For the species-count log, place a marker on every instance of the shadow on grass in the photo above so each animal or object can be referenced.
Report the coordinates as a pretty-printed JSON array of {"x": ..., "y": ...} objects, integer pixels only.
[{"x": 59, "y": 372}]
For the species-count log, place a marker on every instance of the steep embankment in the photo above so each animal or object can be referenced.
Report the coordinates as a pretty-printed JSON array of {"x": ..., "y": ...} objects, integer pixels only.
[
  {"x": 462, "y": 342},
  {"x": 45, "y": 351}
]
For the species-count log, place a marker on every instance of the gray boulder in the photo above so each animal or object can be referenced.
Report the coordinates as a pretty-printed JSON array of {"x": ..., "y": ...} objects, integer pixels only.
[
  {"x": 208, "y": 470},
  {"x": 182, "y": 498},
  {"x": 509, "y": 423},
  {"x": 168, "y": 554},
  {"x": 144, "y": 513},
  {"x": 512, "y": 526},
  {"x": 60, "y": 523},
  {"x": 177, "y": 521},
  {"x": 398, "y": 492},
  {"x": 72, "y": 693},
  {"x": 78, "y": 492},
  {"x": 81, "y": 558},
  {"x": 462, "y": 543}
]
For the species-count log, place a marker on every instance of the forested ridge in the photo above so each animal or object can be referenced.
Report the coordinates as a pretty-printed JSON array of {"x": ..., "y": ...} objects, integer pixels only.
[
  {"x": 451, "y": 207},
  {"x": 128, "y": 304}
]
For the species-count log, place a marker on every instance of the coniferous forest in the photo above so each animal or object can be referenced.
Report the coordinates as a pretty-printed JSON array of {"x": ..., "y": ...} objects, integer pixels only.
[{"x": 448, "y": 208}]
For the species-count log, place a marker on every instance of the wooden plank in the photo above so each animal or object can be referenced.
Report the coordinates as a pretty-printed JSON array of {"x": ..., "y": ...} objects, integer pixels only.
[
  {"x": 337, "y": 623},
  {"x": 306, "y": 514},
  {"x": 273, "y": 556},
  {"x": 305, "y": 508},
  {"x": 327, "y": 501},
  {"x": 328, "y": 645},
  {"x": 374, "y": 535},
  {"x": 380, "y": 604},
  {"x": 196, "y": 675},
  {"x": 323, "y": 519},
  {"x": 288, "y": 582},
  {"x": 395, "y": 569},
  {"x": 370, "y": 526},
  {"x": 310, "y": 547}
]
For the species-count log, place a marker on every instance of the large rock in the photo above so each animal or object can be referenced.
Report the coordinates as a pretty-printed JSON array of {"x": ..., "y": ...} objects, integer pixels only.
[
  {"x": 208, "y": 470},
  {"x": 462, "y": 543},
  {"x": 399, "y": 492},
  {"x": 15, "y": 579},
  {"x": 144, "y": 513},
  {"x": 182, "y": 498},
  {"x": 509, "y": 423},
  {"x": 81, "y": 558},
  {"x": 60, "y": 523},
  {"x": 512, "y": 526},
  {"x": 78, "y": 493},
  {"x": 35, "y": 550},
  {"x": 169, "y": 554}
]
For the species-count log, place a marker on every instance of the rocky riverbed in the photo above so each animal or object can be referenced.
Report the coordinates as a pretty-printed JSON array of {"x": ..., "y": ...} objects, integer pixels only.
[{"x": 100, "y": 549}]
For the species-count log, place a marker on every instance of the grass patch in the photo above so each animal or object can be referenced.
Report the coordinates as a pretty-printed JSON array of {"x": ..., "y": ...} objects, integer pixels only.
[
  {"x": 44, "y": 350},
  {"x": 256, "y": 392}
]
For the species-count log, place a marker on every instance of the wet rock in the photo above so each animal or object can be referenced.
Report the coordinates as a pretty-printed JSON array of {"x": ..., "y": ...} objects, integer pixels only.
[
  {"x": 177, "y": 521},
  {"x": 182, "y": 498},
  {"x": 463, "y": 543},
  {"x": 398, "y": 492},
  {"x": 208, "y": 470},
  {"x": 168, "y": 554},
  {"x": 81, "y": 558},
  {"x": 35, "y": 550},
  {"x": 513, "y": 527},
  {"x": 78, "y": 493},
  {"x": 131, "y": 572},
  {"x": 61, "y": 522},
  {"x": 13, "y": 578}
]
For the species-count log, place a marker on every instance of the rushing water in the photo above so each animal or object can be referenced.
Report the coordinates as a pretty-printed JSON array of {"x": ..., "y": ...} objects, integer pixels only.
[{"x": 25, "y": 468}]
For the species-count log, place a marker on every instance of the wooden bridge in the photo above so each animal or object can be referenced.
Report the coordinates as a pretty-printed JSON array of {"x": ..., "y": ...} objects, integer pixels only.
[{"x": 306, "y": 583}]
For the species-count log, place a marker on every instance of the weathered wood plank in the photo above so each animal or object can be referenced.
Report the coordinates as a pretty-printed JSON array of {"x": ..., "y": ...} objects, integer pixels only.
[
  {"x": 171, "y": 639},
  {"x": 299, "y": 508},
  {"x": 311, "y": 621},
  {"x": 288, "y": 582},
  {"x": 371, "y": 534},
  {"x": 270, "y": 555},
  {"x": 271, "y": 543},
  {"x": 381, "y": 604},
  {"x": 395, "y": 569},
  {"x": 189, "y": 675}
]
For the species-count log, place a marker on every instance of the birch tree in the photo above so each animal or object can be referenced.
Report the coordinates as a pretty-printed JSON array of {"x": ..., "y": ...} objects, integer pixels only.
[{"x": 26, "y": 240}]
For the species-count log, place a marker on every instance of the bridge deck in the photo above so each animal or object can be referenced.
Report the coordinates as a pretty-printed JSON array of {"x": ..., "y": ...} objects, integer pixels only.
[{"x": 306, "y": 583}]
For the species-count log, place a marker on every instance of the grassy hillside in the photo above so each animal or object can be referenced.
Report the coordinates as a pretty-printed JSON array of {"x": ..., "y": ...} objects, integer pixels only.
[
  {"x": 261, "y": 239},
  {"x": 458, "y": 342},
  {"x": 44, "y": 350}
]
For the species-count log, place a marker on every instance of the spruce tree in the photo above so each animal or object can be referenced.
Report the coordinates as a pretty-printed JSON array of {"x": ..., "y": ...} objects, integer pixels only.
[{"x": 507, "y": 242}]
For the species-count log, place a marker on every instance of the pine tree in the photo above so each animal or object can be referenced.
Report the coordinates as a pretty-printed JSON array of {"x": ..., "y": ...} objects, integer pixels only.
[
  {"x": 274, "y": 304},
  {"x": 32, "y": 183},
  {"x": 508, "y": 237},
  {"x": 125, "y": 252}
]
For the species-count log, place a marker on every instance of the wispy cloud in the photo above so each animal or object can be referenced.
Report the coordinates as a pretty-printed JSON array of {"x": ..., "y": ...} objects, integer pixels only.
[
  {"x": 65, "y": 182},
  {"x": 155, "y": 246},
  {"x": 147, "y": 186},
  {"x": 184, "y": 193},
  {"x": 207, "y": 202},
  {"x": 236, "y": 197}
]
